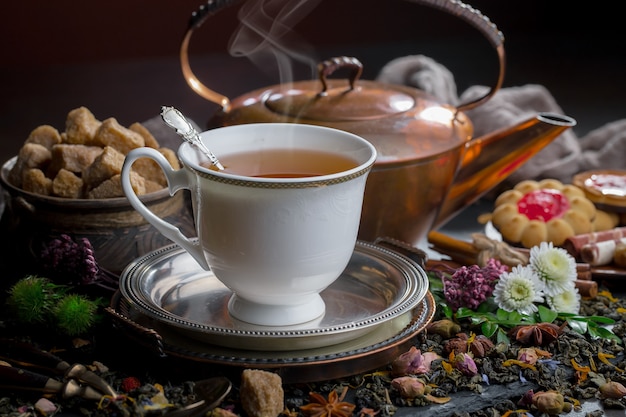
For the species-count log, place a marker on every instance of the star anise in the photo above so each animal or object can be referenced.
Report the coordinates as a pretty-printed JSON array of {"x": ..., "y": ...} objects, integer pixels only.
[
  {"x": 333, "y": 407},
  {"x": 540, "y": 334}
]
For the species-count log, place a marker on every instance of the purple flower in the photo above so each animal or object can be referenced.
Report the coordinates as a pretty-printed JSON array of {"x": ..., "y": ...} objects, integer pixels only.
[
  {"x": 470, "y": 286},
  {"x": 73, "y": 262}
]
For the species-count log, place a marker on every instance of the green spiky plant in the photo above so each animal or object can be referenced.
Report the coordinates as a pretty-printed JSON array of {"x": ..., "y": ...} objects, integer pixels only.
[
  {"x": 37, "y": 300},
  {"x": 75, "y": 314},
  {"x": 33, "y": 298}
]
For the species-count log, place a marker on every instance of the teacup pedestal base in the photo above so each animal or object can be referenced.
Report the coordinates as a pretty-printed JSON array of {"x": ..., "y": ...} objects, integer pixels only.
[{"x": 310, "y": 309}]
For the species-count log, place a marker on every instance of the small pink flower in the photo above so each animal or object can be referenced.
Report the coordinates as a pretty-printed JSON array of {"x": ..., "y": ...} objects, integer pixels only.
[
  {"x": 429, "y": 358},
  {"x": 408, "y": 386},
  {"x": 527, "y": 355},
  {"x": 612, "y": 389},
  {"x": 413, "y": 362},
  {"x": 464, "y": 363},
  {"x": 549, "y": 402}
]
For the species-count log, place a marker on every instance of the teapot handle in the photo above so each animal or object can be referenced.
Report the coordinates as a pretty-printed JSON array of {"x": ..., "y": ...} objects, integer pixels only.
[
  {"x": 329, "y": 66},
  {"x": 455, "y": 7},
  {"x": 197, "y": 19},
  {"x": 488, "y": 29}
]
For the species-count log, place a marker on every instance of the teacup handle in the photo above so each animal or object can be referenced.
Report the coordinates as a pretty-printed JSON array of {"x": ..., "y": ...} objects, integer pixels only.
[{"x": 176, "y": 180}]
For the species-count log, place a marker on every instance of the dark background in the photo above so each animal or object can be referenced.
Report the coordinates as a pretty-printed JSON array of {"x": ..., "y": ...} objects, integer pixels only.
[{"x": 120, "y": 59}]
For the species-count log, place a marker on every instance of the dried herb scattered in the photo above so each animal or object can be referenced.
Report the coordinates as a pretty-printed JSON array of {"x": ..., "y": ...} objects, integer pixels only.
[{"x": 334, "y": 406}]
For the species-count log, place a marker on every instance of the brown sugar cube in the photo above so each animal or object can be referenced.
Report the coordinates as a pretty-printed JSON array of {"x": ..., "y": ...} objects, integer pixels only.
[
  {"x": 81, "y": 127},
  {"x": 31, "y": 155},
  {"x": 44, "y": 135},
  {"x": 34, "y": 155},
  {"x": 151, "y": 171},
  {"x": 107, "y": 164},
  {"x": 67, "y": 184},
  {"x": 74, "y": 158},
  {"x": 171, "y": 157},
  {"x": 35, "y": 181},
  {"x": 152, "y": 186},
  {"x": 111, "y": 133},
  {"x": 261, "y": 393},
  {"x": 113, "y": 187},
  {"x": 149, "y": 139}
]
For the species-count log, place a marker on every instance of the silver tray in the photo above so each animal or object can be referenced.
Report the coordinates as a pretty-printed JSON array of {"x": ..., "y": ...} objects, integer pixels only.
[
  {"x": 378, "y": 286},
  {"x": 373, "y": 350}
]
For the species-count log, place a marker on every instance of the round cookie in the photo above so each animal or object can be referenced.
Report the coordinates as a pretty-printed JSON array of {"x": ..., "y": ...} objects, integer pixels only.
[{"x": 543, "y": 211}]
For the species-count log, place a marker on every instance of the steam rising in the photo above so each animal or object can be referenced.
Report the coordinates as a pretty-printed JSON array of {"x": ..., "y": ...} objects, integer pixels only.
[{"x": 266, "y": 36}]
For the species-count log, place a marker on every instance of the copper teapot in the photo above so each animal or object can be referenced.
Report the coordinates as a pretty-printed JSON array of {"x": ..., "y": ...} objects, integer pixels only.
[{"x": 429, "y": 167}]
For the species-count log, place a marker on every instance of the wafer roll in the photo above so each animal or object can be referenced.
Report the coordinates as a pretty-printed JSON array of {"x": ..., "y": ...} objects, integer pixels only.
[
  {"x": 574, "y": 244},
  {"x": 599, "y": 253}
]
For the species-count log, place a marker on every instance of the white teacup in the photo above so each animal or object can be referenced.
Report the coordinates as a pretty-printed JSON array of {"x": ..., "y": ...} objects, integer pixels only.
[{"x": 276, "y": 243}]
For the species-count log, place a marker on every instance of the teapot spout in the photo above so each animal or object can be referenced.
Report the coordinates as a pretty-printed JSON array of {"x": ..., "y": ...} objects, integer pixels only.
[{"x": 490, "y": 159}]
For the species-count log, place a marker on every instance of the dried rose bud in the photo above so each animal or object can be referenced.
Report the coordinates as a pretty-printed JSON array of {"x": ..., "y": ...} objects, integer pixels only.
[
  {"x": 527, "y": 355},
  {"x": 409, "y": 387},
  {"x": 464, "y": 363},
  {"x": 612, "y": 389},
  {"x": 444, "y": 328},
  {"x": 429, "y": 358},
  {"x": 413, "y": 362},
  {"x": 481, "y": 346},
  {"x": 457, "y": 344},
  {"x": 549, "y": 402}
]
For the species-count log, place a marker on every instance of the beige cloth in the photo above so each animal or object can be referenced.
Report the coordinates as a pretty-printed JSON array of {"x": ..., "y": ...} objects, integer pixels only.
[{"x": 567, "y": 155}]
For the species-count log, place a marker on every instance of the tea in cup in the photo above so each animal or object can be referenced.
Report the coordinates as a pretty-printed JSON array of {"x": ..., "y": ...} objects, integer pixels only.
[{"x": 279, "y": 224}]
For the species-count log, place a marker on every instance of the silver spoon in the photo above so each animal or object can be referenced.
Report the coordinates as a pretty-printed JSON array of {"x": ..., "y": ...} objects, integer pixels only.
[
  {"x": 175, "y": 119},
  {"x": 212, "y": 392}
]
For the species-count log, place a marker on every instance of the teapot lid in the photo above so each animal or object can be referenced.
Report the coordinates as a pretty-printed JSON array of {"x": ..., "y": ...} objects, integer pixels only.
[
  {"x": 364, "y": 102},
  {"x": 404, "y": 123},
  {"x": 336, "y": 101}
]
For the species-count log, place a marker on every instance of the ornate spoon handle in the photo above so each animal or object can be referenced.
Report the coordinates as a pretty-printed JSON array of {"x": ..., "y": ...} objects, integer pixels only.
[{"x": 175, "y": 119}]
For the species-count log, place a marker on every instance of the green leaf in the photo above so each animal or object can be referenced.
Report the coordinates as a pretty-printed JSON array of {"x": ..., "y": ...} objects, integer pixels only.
[
  {"x": 546, "y": 315},
  {"x": 578, "y": 326},
  {"x": 435, "y": 283},
  {"x": 476, "y": 320},
  {"x": 502, "y": 314},
  {"x": 515, "y": 316},
  {"x": 464, "y": 312},
  {"x": 488, "y": 305},
  {"x": 502, "y": 337},
  {"x": 446, "y": 311},
  {"x": 600, "y": 319},
  {"x": 604, "y": 333},
  {"x": 489, "y": 328}
]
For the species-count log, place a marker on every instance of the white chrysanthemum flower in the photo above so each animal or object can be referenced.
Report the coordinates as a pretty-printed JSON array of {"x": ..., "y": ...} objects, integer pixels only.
[
  {"x": 555, "y": 267},
  {"x": 518, "y": 290},
  {"x": 567, "y": 301}
]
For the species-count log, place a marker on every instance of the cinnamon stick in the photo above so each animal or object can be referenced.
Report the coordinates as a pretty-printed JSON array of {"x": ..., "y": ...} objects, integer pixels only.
[
  {"x": 583, "y": 271},
  {"x": 587, "y": 288},
  {"x": 458, "y": 250}
]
